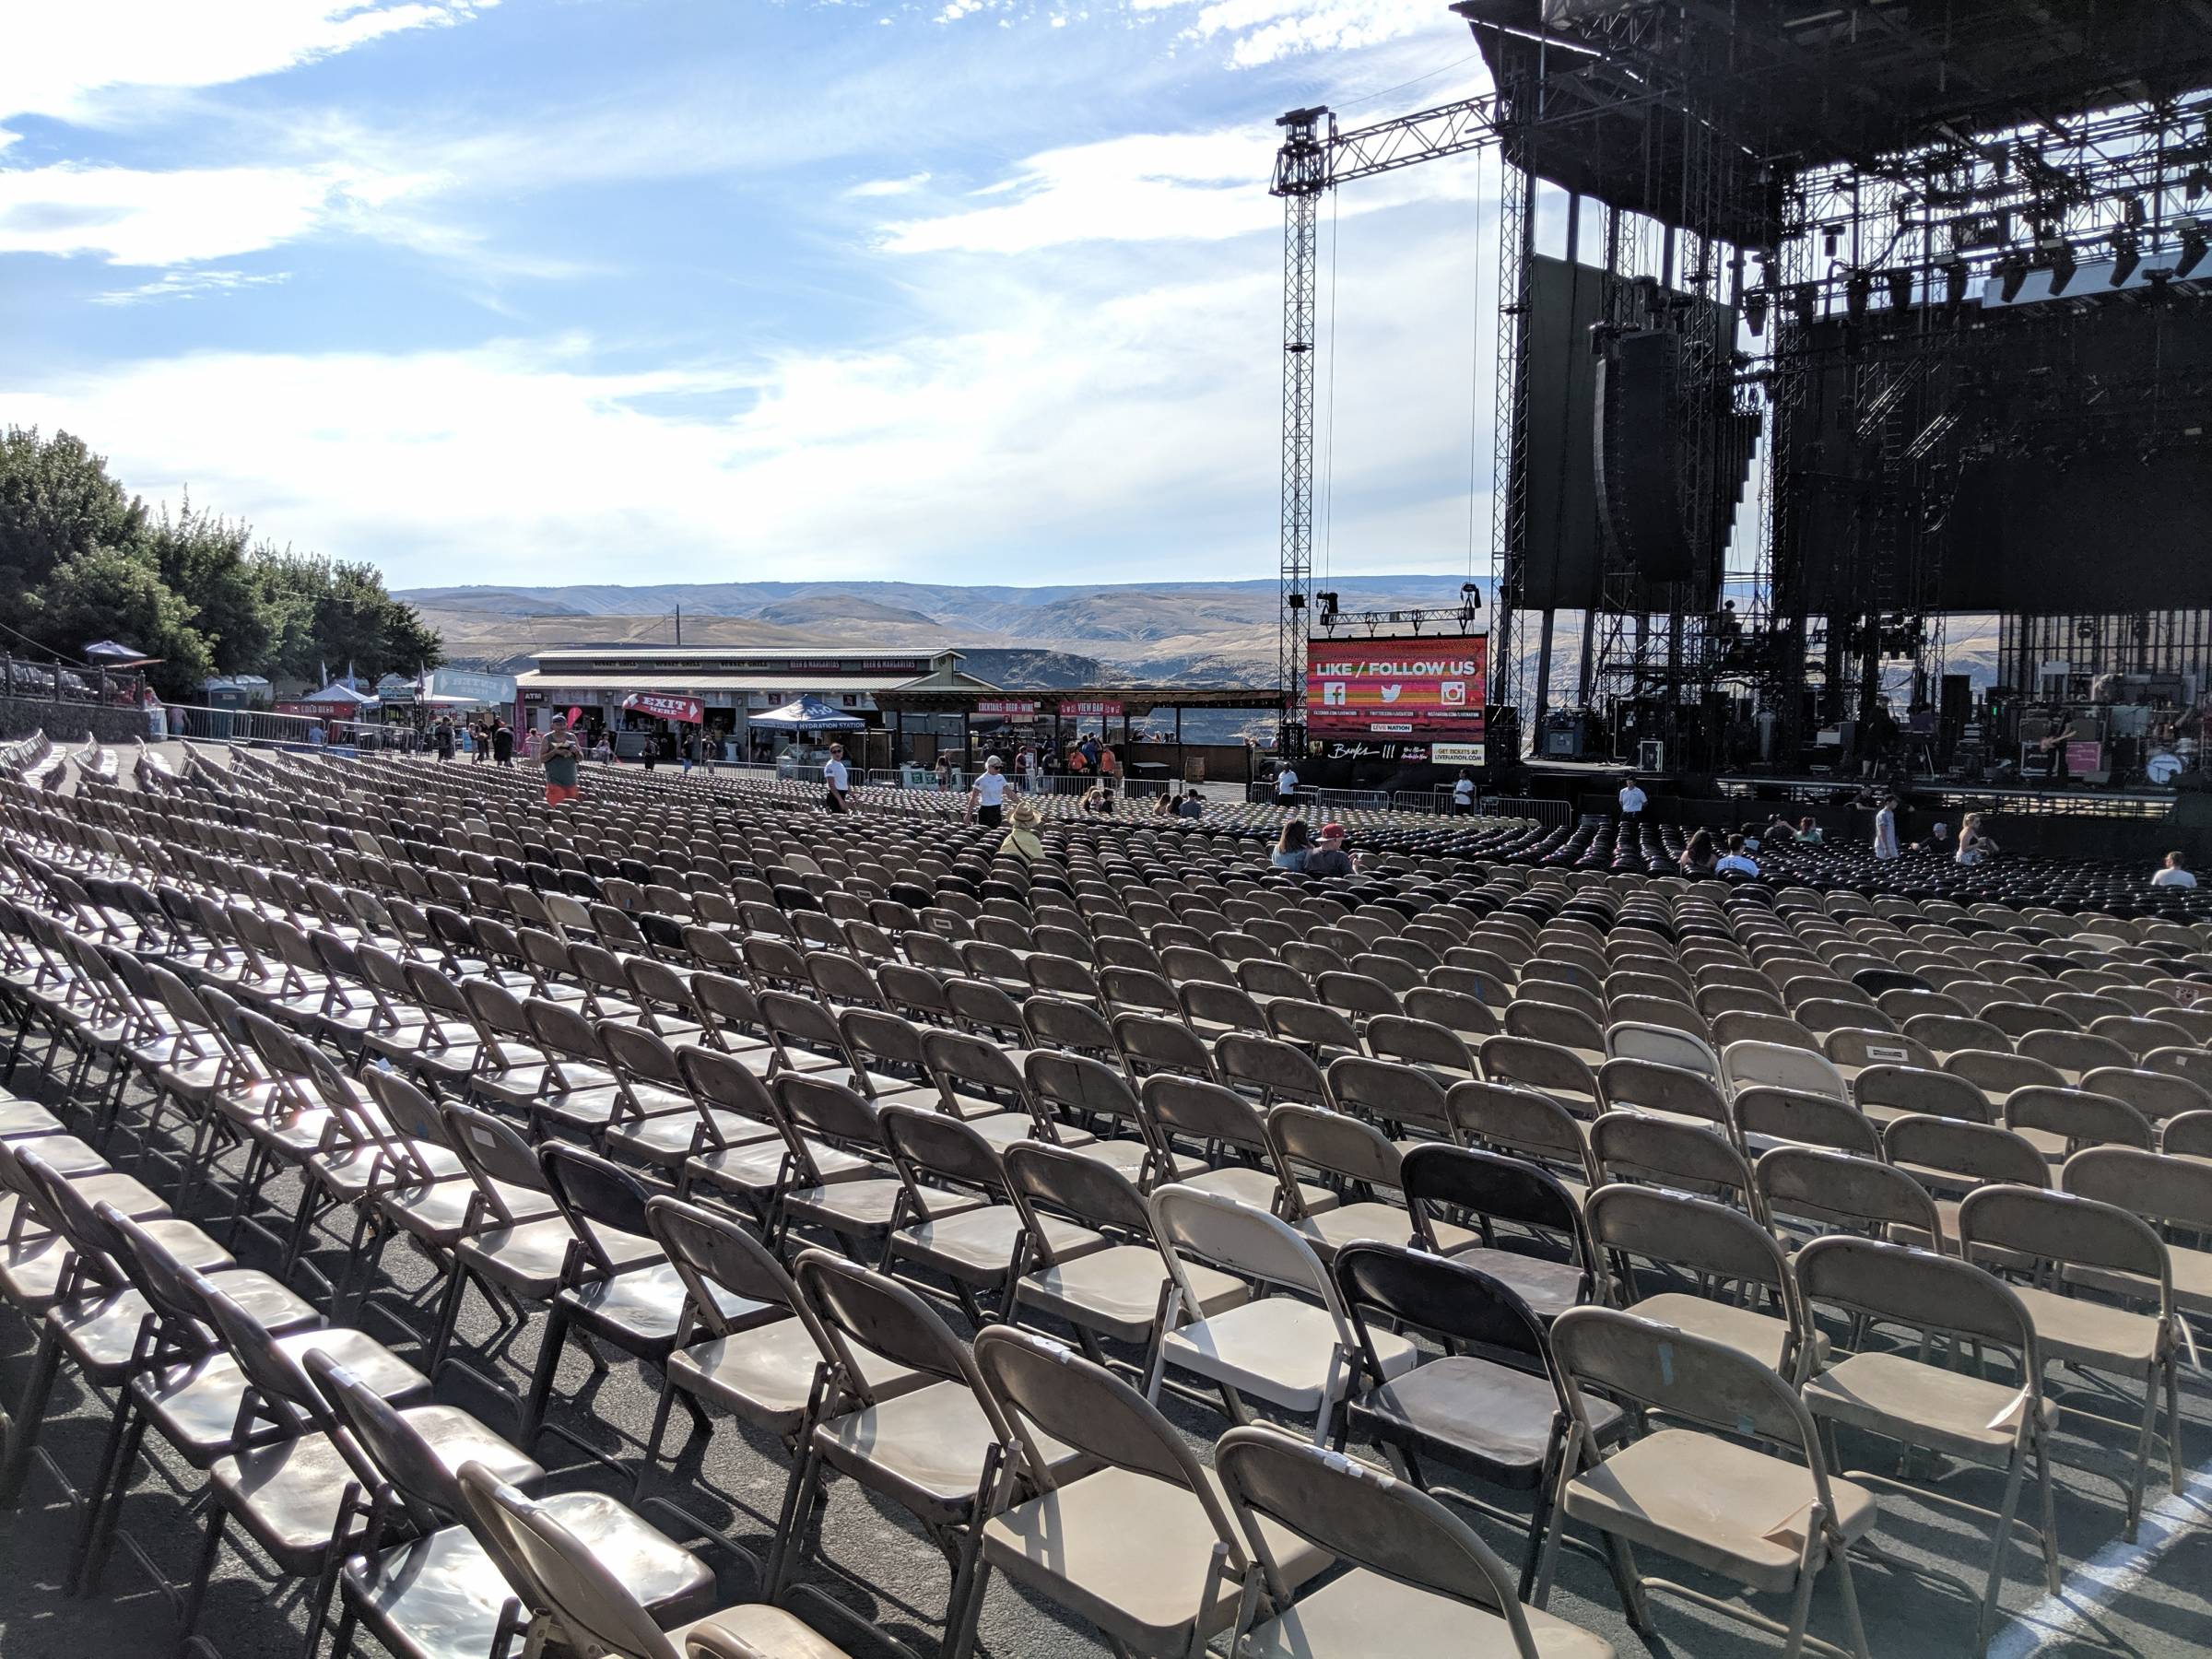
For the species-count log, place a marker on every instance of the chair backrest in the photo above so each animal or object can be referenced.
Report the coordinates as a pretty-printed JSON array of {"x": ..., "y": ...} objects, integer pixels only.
[
  {"x": 1458, "y": 1305},
  {"x": 1780, "y": 1065},
  {"x": 1912, "y": 1089},
  {"x": 2085, "y": 1119},
  {"x": 1065, "y": 1183},
  {"x": 554, "y": 1572},
  {"x": 711, "y": 1252},
  {"x": 1785, "y": 1114},
  {"x": 1045, "y": 1389},
  {"x": 1647, "y": 1083},
  {"x": 1237, "y": 1237},
  {"x": 1694, "y": 1233},
  {"x": 590, "y": 1189},
  {"x": 1689, "y": 1377},
  {"x": 1493, "y": 1186},
  {"x": 858, "y": 1305},
  {"x": 2068, "y": 1229},
  {"x": 1628, "y": 1145},
  {"x": 1842, "y": 1189},
  {"x": 1389, "y": 1091},
  {"x": 1365, "y": 1516},
  {"x": 2168, "y": 1189},
  {"x": 1337, "y": 1144},
  {"x": 1200, "y": 1111},
  {"x": 395, "y": 1451},
  {"x": 1920, "y": 1289},
  {"x": 1520, "y": 1121}
]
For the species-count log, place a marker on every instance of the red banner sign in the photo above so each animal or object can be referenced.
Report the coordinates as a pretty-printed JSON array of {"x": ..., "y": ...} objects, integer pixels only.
[
  {"x": 1397, "y": 687},
  {"x": 1010, "y": 708},
  {"x": 688, "y": 710},
  {"x": 1092, "y": 710}
]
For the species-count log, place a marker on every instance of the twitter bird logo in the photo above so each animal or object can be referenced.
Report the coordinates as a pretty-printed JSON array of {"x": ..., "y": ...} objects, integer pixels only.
[{"x": 1390, "y": 693}]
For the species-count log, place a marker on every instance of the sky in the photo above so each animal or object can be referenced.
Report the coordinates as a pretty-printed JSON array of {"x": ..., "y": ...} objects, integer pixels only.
[{"x": 509, "y": 291}]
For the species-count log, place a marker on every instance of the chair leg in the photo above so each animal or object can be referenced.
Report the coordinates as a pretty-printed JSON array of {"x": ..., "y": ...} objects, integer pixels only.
[
  {"x": 106, "y": 1514},
  {"x": 1801, "y": 1610},
  {"x": 653, "y": 1440},
  {"x": 1847, "y": 1587},
  {"x": 798, "y": 1499},
  {"x": 219, "y": 1517},
  {"x": 1986, "y": 1621},
  {"x": 22, "y": 1433},
  {"x": 541, "y": 1378},
  {"x": 2042, "y": 1464}
]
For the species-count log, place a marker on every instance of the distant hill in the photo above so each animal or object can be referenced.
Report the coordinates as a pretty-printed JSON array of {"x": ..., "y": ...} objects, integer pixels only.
[{"x": 1175, "y": 633}]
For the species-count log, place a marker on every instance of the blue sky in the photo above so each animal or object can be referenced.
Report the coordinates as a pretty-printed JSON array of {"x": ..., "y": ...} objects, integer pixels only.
[{"x": 547, "y": 290}]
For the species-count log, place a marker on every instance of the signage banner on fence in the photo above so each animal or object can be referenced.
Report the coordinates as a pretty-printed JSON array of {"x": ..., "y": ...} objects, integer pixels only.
[
  {"x": 1092, "y": 710},
  {"x": 688, "y": 710},
  {"x": 1011, "y": 707},
  {"x": 1409, "y": 687}
]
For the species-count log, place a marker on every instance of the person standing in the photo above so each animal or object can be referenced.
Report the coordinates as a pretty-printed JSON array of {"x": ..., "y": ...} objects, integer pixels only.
[
  {"x": 443, "y": 735},
  {"x": 563, "y": 761},
  {"x": 502, "y": 742},
  {"x": 987, "y": 795},
  {"x": 1633, "y": 802},
  {"x": 1463, "y": 795},
  {"x": 1286, "y": 785},
  {"x": 1885, "y": 829},
  {"x": 479, "y": 744},
  {"x": 837, "y": 782}
]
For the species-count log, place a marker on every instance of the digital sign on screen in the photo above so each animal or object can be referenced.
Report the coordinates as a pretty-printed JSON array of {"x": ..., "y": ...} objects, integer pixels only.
[{"x": 1397, "y": 688}]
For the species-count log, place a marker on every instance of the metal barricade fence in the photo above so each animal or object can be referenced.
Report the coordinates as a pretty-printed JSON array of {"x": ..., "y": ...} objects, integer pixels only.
[{"x": 1554, "y": 815}]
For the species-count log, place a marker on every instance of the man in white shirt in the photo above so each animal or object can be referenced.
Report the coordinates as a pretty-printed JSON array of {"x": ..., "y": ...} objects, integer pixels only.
[
  {"x": 1631, "y": 802},
  {"x": 1735, "y": 862},
  {"x": 836, "y": 781},
  {"x": 987, "y": 795},
  {"x": 1286, "y": 785},
  {"x": 2173, "y": 874},
  {"x": 1885, "y": 830},
  {"x": 1463, "y": 795}
]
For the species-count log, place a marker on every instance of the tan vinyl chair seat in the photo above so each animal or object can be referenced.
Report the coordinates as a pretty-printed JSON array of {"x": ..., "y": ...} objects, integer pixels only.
[
  {"x": 1900, "y": 1397},
  {"x": 979, "y": 1243},
  {"x": 767, "y": 1373},
  {"x": 1130, "y": 1554},
  {"x": 1733, "y": 1511},
  {"x": 1280, "y": 1349},
  {"x": 1117, "y": 1290},
  {"x": 925, "y": 1448},
  {"x": 2094, "y": 1334},
  {"x": 1364, "y": 1613},
  {"x": 1761, "y": 1336}
]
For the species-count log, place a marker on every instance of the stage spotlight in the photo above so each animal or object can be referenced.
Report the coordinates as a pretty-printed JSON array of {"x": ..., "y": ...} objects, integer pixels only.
[
  {"x": 1858, "y": 287},
  {"x": 1755, "y": 311},
  {"x": 1328, "y": 609},
  {"x": 2127, "y": 254},
  {"x": 1295, "y": 602},
  {"x": 2010, "y": 275},
  {"x": 2061, "y": 253},
  {"x": 1901, "y": 289},
  {"x": 2192, "y": 248},
  {"x": 1804, "y": 299},
  {"x": 1954, "y": 276}
]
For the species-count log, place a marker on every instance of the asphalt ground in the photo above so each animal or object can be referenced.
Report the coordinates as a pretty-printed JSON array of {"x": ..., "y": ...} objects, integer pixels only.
[{"x": 2151, "y": 1599}]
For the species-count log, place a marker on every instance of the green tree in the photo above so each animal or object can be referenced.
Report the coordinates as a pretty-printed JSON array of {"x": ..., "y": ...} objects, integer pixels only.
[
  {"x": 203, "y": 558},
  {"x": 324, "y": 614},
  {"x": 55, "y": 500},
  {"x": 119, "y": 591}
]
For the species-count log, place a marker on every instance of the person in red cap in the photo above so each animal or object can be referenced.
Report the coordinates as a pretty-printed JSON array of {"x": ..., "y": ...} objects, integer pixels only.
[{"x": 1329, "y": 858}]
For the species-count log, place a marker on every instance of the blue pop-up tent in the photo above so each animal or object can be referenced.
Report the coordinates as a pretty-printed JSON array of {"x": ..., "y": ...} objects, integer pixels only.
[{"x": 807, "y": 715}]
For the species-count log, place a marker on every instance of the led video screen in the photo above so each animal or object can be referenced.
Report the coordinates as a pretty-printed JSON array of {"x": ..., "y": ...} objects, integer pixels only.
[{"x": 1424, "y": 686}]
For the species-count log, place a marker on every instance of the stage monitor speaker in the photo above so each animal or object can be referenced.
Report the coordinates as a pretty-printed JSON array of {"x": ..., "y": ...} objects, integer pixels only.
[
  {"x": 1651, "y": 754},
  {"x": 1639, "y": 455}
]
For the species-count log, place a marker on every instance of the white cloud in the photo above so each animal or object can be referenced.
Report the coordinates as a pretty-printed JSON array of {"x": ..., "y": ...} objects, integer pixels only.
[
  {"x": 889, "y": 187},
  {"x": 1263, "y": 31},
  {"x": 60, "y": 58},
  {"x": 132, "y": 217},
  {"x": 1082, "y": 418},
  {"x": 1144, "y": 186},
  {"x": 191, "y": 285}
]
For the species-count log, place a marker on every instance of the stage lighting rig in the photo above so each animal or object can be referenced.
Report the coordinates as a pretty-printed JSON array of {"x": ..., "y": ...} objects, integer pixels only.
[
  {"x": 2127, "y": 254},
  {"x": 1858, "y": 287},
  {"x": 2059, "y": 252},
  {"x": 1954, "y": 276},
  {"x": 2011, "y": 273},
  {"x": 1900, "y": 289},
  {"x": 2192, "y": 248}
]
